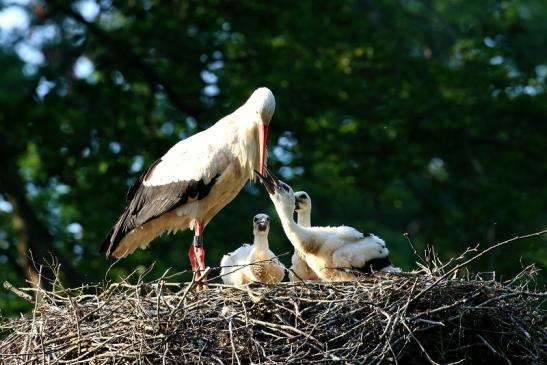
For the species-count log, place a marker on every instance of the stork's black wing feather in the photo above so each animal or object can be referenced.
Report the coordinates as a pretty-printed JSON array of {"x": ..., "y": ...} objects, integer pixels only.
[{"x": 145, "y": 203}]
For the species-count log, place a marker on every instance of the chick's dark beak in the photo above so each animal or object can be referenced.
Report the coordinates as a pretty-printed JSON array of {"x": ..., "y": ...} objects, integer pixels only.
[
  {"x": 272, "y": 177},
  {"x": 270, "y": 181},
  {"x": 267, "y": 182},
  {"x": 262, "y": 224}
]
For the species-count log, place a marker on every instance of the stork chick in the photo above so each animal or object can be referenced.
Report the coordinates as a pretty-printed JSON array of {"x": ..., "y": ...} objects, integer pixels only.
[
  {"x": 253, "y": 263},
  {"x": 333, "y": 253},
  {"x": 300, "y": 269}
]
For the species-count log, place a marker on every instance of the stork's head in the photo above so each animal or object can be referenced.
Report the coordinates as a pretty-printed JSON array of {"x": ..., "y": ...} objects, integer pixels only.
[
  {"x": 262, "y": 104},
  {"x": 280, "y": 192},
  {"x": 303, "y": 202},
  {"x": 261, "y": 224}
]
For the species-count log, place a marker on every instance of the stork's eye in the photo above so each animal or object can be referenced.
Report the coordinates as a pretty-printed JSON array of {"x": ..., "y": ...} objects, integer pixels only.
[{"x": 285, "y": 187}]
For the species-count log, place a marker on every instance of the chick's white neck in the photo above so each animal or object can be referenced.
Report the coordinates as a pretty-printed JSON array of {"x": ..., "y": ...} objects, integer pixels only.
[
  {"x": 295, "y": 233},
  {"x": 260, "y": 239},
  {"x": 304, "y": 217}
]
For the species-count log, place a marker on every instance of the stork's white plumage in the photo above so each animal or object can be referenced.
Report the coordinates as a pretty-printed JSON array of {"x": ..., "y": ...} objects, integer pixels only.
[
  {"x": 253, "y": 263},
  {"x": 300, "y": 269},
  {"x": 194, "y": 180},
  {"x": 333, "y": 253}
]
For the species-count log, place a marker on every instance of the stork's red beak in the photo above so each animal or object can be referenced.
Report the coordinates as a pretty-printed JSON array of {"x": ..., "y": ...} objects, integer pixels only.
[{"x": 262, "y": 142}]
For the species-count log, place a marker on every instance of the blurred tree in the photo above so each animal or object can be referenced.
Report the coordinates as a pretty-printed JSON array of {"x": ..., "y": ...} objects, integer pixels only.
[{"x": 396, "y": 116}]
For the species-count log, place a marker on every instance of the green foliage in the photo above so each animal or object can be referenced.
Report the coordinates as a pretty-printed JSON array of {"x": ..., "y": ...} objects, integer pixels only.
[{"x": 396, "y": 116}]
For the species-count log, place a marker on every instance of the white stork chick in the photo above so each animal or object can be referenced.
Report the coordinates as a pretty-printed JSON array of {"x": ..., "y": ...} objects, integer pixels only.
[
  {"x": 300, "y": 269},
  {"x": 253, "y": 263},
  {"x": 331, "y": 252},
  {"x": 194, "y": 180}
]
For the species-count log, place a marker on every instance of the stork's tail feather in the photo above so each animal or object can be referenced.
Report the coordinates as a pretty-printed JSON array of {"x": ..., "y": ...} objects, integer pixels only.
[
  {"x": 105, "y": 246},
  {"x": 115, "y": 235},
  {"x": 126, "y": 236}
]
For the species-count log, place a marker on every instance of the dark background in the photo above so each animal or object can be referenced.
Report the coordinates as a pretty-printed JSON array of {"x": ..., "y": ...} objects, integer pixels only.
[{"x": 427, "y": 117}]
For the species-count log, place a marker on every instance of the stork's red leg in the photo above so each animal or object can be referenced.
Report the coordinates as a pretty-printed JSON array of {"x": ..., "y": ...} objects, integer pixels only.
[
  {"x": 192, "y": 257},
  {"x": 197, "y": 254}
]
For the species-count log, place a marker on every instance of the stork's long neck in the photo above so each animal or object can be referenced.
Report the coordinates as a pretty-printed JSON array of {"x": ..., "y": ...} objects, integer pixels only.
[
  {"x": 297, "y": 234},
  {"x": 260, "y": 241},
  {"x": 304, "y": 217},
  {"x": 243, "y": 127},
  {"x": 245, "y": 148}
]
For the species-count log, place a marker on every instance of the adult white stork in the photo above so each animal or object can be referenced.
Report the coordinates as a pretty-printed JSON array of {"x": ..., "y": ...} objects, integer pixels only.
[
  {"x": 194, "y": 180},
  {"x": 333, "y": 253}
]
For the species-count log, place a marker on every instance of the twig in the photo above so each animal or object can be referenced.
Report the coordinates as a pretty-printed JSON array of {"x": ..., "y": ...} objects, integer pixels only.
[
  {"x": 409, "y": 240},
  {"x": 9, "y": 286},
  {"x": 234, "y": 351}
]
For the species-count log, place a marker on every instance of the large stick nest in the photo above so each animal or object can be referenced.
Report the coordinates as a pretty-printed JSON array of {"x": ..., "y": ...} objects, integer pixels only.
[{"x": 428, "y": 316}]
